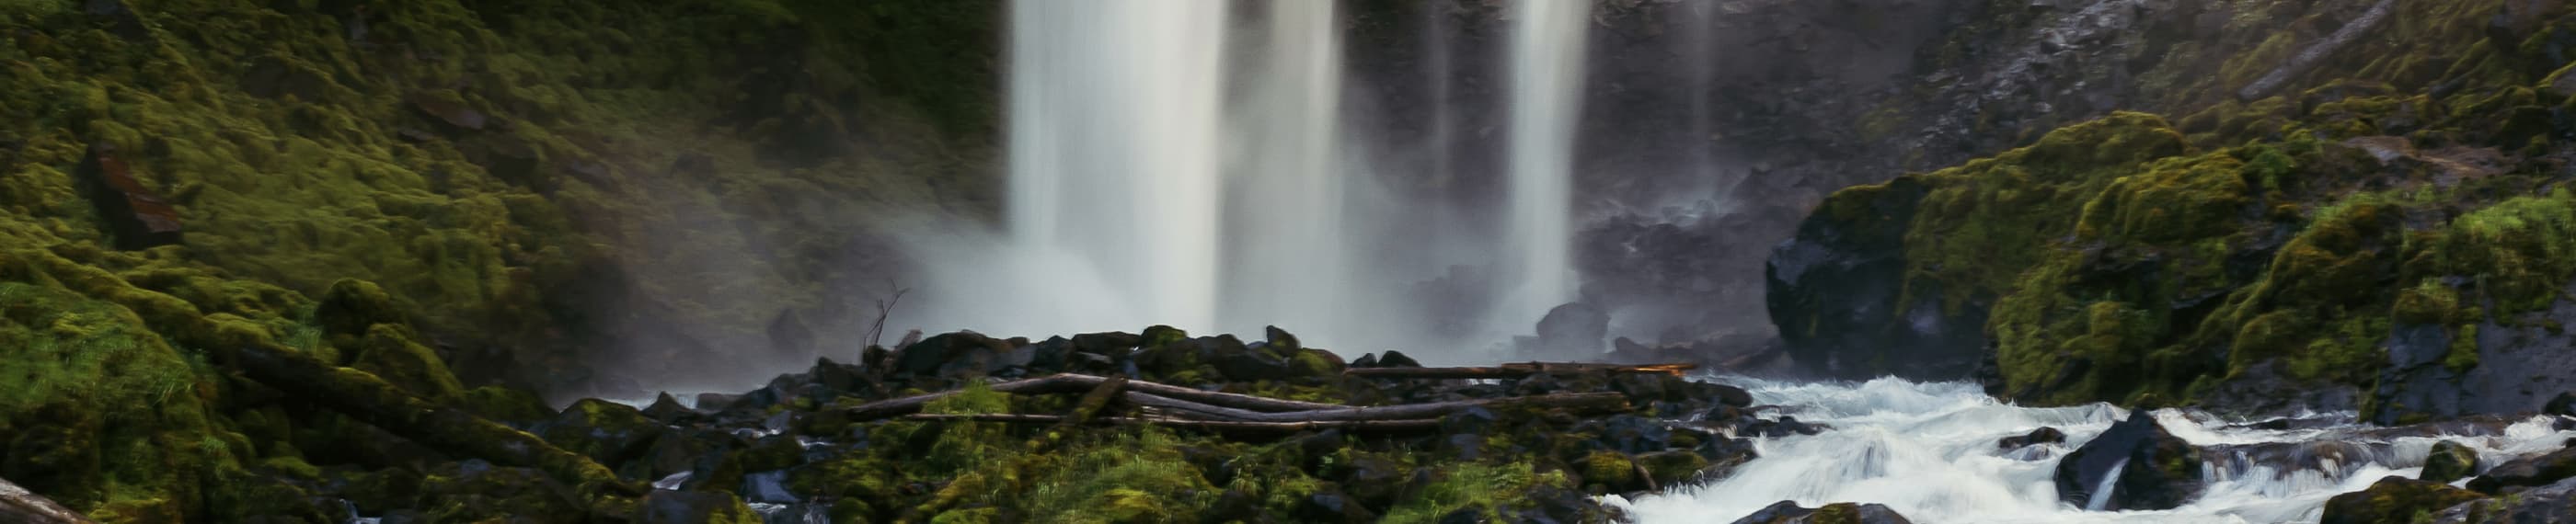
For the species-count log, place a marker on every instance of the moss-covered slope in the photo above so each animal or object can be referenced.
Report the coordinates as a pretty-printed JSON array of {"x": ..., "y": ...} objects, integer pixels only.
[
  {"x": 2354, "y": 244},
  {"x": 511, "y": 190}
]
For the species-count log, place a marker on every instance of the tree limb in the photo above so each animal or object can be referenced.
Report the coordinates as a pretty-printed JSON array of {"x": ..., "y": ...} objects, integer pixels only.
[{"x": 1516, "y": 370}]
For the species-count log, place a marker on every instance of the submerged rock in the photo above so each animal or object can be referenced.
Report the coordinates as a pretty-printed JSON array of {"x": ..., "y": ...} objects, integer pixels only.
[
  {"x": 1788, "y": 512},
  {"x": 2142, "y": 466},
  {"x": 2043, "y": 435},
  {"x": 2394, "y": 500}
]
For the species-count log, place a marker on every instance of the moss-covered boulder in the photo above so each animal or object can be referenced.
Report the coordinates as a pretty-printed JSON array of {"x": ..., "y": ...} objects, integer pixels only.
[
  {"x": 2395, "y": 500},
  {"x": 1900, "y": 278},
  {"x": 2449, "y": 461},
  {"x": 608, "y": 432},
  {"x": 2538, "y": 470}
]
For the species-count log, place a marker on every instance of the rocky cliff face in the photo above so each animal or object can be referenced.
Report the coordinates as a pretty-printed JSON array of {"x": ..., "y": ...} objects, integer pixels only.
[{"x": 2358, "y": 212}]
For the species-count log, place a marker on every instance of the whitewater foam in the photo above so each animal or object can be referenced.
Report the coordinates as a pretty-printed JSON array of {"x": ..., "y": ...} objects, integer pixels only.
[{"x": 1927, "y": 450}]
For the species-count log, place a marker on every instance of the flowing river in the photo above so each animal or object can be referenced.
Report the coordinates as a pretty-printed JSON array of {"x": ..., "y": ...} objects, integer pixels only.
[{"x": 1928, "y": 450}]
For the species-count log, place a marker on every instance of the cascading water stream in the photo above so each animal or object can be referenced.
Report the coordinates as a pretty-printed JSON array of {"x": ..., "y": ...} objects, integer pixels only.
[
  {"x": 1928, "y": 451},
  {"x": 1172, "y": 162},
  {"x": 1114, "y": 150},
  {"x": 1289, "y": 243},
  {"x": 1546, "y": 92}
]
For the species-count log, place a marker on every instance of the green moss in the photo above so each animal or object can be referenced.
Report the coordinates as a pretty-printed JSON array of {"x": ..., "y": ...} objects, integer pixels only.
[{"x": 1488, "y": 489}]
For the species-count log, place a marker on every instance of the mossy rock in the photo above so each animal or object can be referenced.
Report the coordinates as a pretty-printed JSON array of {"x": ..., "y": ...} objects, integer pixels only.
[
  {"x": 2395, "y": 500},
  {"x": 390, "y": 354},
  {"x": 2449, "y": 461},
  {"x": 608, "y": 432}
]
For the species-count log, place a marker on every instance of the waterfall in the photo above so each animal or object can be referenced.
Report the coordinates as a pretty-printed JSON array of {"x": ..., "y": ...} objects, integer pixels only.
[
  {"x": 1546, "y": 92},
  {"x": 1114, "y": 151},
  {"x": 1285, "y": 217},
  {"x": 1181, "y": 162}
]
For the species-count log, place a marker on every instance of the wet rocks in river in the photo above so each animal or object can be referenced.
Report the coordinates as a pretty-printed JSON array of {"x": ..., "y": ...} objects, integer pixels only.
[
  {"x": 2551, "y": 503},
  {"x": 2141, "y": 466},
  {"x": 2449, "y": 461},
  {"x": 2525, "y": 472},
  {"x": 1787, "y": 512},
  {"x": 2043, "y": 435},
  {"x": 2394, "y": 500}
]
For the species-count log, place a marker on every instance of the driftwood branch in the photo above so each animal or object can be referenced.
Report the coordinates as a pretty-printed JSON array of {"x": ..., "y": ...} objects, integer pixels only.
[
  {"x": 19, "y": 505},
  {"x": 1579, "y": 402},
  {"x": 364, "y": 397},
  {"x": 1068, "y": 383},
  {"x": 1516, "y": 370},
  {"x": 1098, "y": 398},
  {"x": 1362, "y": 426}
]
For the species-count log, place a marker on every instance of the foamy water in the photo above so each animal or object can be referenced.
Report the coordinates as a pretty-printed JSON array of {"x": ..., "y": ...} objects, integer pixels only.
[{"x": 1928, "y": 451}]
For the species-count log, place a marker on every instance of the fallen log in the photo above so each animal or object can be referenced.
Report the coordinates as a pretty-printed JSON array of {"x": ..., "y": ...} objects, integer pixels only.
[
  {"x": 1577, "y": 402},
  {"x": 1380, "y": 426},
  {"x": 369, "y": 399},
  {"x": 1076, "y": 383},
  {"x": 19, "y": 505},
  {"x": 1517, "y": 370}
]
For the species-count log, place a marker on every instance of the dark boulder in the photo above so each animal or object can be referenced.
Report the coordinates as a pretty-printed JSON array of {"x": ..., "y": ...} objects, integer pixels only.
[
  {"x": 1397, "y": 359},
  {"x": 2394, "y": 500},
  {"x": 135, "y": 215},
  {"x": 2526, "y": 472},
  {"x": 954, "y": 355},
  {"x": 607, "y": 432},
  {"x": 2043, "y": 435},
  {"x": 667, "y": 410},
  {"x": 1785, "y": 426},
  {"x": 1574, "y": 329},
  {"x": 2551, "y": 503},
  {"x": 1788, "y": 512},
  {"x": 2563, "y": 405},
  {"x": 2143, "y": 467},
  {"x": 2448, "y": 462},
  {"x": 1835, "y": 292}
]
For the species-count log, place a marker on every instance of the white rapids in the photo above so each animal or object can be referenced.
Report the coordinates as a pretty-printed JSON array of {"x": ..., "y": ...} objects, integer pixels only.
[{"x": 1927, "y": 450}]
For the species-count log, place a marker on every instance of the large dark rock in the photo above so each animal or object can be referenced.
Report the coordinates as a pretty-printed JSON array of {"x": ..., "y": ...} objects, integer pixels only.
[
  {"x": 2143, "y": 466},
  {"x": 952, "y": 355},
  {"x": 2521, "y": 366},
  {"x": 607, "y": 432},
  {"x": 2541, "y": 470},
  {"x": 1788, "y": 512},
  {"x": 135, "y": 215},
  {"x": 2394, "y": 500},
  {"x": 2551, "y": 503},
  {"x": 1835, "y": 293},
  {"x": 1573, "y": 329}
]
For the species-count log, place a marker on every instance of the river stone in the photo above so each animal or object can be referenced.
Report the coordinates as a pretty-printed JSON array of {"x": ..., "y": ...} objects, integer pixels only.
[
  {"x": 2450, "y": 461},
  {"x": 1788, "y": 512},
  {"x": 2551, "y": 503},
  {"x": 2154, "y": 469},
  {"x": 2394, "y": 500},
  {"x": 2043, "y": 435},
  {"x": 2540, "y": 470}
]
